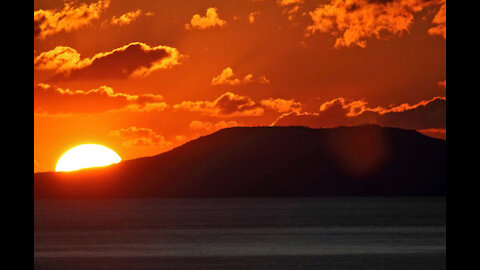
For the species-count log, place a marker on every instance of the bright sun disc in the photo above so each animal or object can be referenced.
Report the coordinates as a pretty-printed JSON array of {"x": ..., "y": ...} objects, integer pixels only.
[{"x": 86, "y": 156}]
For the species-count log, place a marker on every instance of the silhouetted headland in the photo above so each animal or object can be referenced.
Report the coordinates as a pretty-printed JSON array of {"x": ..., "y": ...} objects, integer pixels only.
[{"x": 270, "y": 161}]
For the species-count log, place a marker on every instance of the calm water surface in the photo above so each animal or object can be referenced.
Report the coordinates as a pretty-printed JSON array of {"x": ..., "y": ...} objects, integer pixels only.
[{"x": 240, "y": 233}]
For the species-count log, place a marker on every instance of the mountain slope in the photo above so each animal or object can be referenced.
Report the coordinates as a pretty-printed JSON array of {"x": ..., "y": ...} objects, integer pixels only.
[{"x": 270, "y": 161}]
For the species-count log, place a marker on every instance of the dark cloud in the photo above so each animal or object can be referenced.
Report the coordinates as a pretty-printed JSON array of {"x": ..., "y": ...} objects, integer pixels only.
[
  {"x": 54, "y": 100},
  {"x": 228, "y": 104},
  {"x": 133, "y": 60},
  {"x": 431, "y": 115},
  {"x": 428, "y": 114}
]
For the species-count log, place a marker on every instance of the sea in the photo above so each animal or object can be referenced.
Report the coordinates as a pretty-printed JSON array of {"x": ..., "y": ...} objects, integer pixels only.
[{"x": 241, "y": 233}]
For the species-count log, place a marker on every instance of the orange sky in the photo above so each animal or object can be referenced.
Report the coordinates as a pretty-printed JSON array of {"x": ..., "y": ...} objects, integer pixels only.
[{"x": 144, "y": 76}]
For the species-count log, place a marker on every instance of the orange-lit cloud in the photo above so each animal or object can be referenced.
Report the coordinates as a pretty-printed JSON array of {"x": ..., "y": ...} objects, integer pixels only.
[
  {"x": 281, "y": 105},
  {"x": 52, "y": 21},
  {"x": 442, "y": 84},
  {"x": 61, "y": 59},
  {"x": 211, "y": 19},
  {"x": 291, "y": 11},
  {"x": 227, "y": 105},
  {"x": 180, "y": 137},
  {"x": 228, "y": 78},
  {"x": 233, "y": 105},
  {"x": 407, "y": 107},
  {"x": 210, "y": 127},
  {"x": 425, "y": 114},
  {"x": 352, "y": 22},
  {"x": 126, "y": 18},
  {"x": 55, "y": 100},
  {"x": 252, "y": 16},
  {"x": 133, "y": 60},
  {"x": 352, "y": 108},
  {"x": 440, "y": 20},
  {"x": 289, "y": 2},
  {"x": 143, "y": 137},
  {"x": 357, "y": 107}
]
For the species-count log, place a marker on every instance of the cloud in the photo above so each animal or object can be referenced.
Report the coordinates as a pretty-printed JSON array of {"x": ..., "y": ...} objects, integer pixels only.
[
  {"x": 142, "y": 137},
  {"x": 126, "y": 18},
  {"x": 210, "y": 19},
  {"x": 352, "y": 22},
  {"x": 52, "y": 21},
  {"x": 54, "y": 100},
  {"x": 233, "y": 105},
  {"x": 442, "y": 84},
  {"x": 281, "y": 105},
  {"x": 227, "y": 105},
  {"x": 180, "y": 137},
  {"x": 352, "y": 108},
  {"x": 61, "y": 59},
  {"x": 228, "y": 78},
  {"x": 210, "y": 127},
  {"x": 289, "y": 2},
  {"x": 440, "y": 20},
  {"x": 426, "y": 114},
  {"x": 133, "y": 60},
  {"x": 252, "y": 16},
  {"x": 292, "y": 10}
]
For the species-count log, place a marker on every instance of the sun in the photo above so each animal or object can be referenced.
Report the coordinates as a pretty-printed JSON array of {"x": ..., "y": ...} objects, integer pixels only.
[{"x": 86, "y": 156}]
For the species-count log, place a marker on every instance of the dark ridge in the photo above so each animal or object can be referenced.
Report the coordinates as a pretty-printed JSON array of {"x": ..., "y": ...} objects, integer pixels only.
[{"x": 270, "y": 161}]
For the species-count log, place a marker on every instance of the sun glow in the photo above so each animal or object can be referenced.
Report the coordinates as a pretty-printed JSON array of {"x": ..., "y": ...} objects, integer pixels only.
[{"x": 86, "y": 156}]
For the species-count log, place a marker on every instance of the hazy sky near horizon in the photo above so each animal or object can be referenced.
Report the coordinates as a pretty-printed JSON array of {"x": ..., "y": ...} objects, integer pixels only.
[{"x": 142, "y": 77}]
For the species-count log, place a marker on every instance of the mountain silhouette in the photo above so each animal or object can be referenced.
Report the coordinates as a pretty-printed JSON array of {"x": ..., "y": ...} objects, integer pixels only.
[{"x": 363, "y": 160}]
